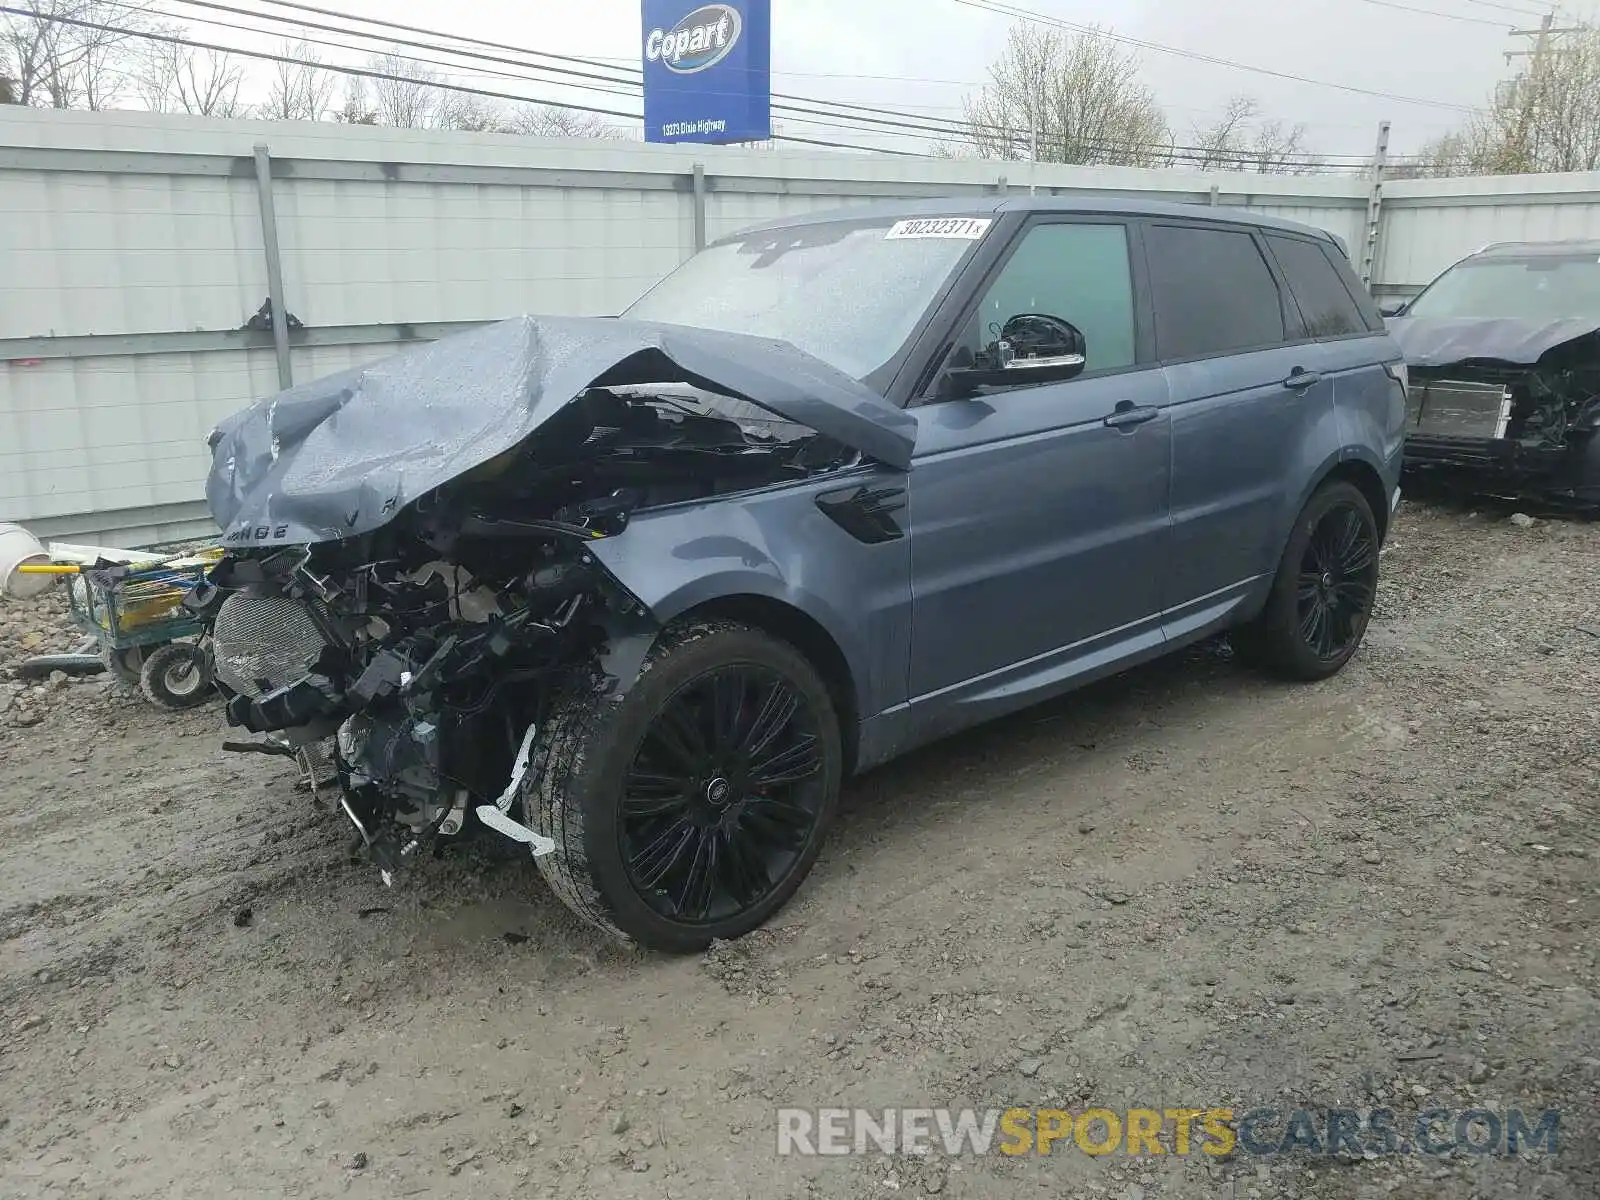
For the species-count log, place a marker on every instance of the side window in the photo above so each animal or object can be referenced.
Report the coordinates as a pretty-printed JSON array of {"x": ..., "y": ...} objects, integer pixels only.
[
  {"x": 1325, "y": 303},
  {"x": 1367, "y": 306},
  {"x": 1212, "y": 292},
  {"x": 1076, "y": 272}
]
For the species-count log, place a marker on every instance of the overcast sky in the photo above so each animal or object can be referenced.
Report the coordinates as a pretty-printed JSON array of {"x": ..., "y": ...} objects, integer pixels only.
[{"x": 923, "y": 55}]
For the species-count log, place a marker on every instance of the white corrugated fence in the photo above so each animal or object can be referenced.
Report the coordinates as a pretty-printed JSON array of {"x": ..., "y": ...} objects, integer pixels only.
[{"x": 136, "y": 253}]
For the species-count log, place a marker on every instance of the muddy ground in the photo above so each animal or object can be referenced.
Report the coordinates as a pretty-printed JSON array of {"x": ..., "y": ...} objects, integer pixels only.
[{"x": 1184, "y": 888}]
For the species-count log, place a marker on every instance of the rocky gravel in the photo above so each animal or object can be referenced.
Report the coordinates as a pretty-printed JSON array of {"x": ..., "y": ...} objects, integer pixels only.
[{"x": 1184, "y": 888}]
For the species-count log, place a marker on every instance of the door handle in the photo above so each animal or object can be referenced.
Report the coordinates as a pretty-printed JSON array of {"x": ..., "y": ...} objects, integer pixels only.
[
  {"x": 1128, "y": 414},
  {"x": 1300, "y": 379}
]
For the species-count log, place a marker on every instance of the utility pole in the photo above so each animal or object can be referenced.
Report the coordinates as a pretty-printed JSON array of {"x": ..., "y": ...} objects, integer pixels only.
[
  {"x": 1524, "y": 89},
  {"x": 1033, "y": 147}
]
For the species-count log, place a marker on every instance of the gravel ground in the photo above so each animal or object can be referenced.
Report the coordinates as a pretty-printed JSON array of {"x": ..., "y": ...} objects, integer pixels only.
[{"x": 1183, "y": 888}]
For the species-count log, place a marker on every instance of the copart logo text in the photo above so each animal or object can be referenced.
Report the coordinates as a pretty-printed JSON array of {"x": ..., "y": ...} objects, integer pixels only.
[{"x": 702, "y": 39}]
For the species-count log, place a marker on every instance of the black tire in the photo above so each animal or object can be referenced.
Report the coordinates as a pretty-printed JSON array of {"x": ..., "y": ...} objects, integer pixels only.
[
  {"x": 40, "y": 666},
  {"x": 598, "y": 746},
  {"x": 1329, "y": 566},
  {"x": 176, "y": 676},
  {"x": 125, "y": 665}
]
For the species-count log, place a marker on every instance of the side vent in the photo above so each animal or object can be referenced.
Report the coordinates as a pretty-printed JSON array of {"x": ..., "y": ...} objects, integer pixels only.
[{"x": 865, "y": 513}]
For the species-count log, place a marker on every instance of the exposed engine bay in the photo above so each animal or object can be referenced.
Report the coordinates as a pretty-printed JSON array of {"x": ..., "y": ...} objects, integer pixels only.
[
  {"x": 1499, "y": 424},
  {"x": 429, "y": 649}
]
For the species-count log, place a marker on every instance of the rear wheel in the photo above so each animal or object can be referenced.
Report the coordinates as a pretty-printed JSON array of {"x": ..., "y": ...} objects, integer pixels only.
[
  {"x": 691, "y": 806},
  {"x": 125, "y": 664},
  {"x": 176, "y": 676},
  {"x": 1322, "y": 596}
]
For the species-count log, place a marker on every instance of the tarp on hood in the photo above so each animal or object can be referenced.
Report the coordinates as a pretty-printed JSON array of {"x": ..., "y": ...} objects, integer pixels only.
[
  {"x": 340, "y": 456},
  {"x": 1438, "y": 342}
]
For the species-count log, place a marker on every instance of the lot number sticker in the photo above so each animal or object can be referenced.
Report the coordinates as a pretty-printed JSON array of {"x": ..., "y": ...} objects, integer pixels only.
[{"x": 968, "y": 228}]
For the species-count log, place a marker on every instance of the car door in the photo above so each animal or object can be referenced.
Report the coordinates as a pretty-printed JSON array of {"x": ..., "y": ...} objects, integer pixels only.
[
  {"x": 1357, "y": 354},
  {"x": 1038, "y": 514},
  {"x": 1247, "y": 398}
]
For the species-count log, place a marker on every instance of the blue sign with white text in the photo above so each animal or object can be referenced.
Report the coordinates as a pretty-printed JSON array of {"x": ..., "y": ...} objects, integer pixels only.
[{"x": 707, "y": 71}]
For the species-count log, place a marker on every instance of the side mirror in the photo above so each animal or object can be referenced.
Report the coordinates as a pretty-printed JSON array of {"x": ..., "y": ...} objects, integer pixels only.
[
  {"x": 1396, "y": 309},
  {"x": 1030, "y": 348}
]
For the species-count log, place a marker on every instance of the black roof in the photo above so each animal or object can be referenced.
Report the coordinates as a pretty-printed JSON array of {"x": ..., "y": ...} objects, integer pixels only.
[
  {"x": 1569, "y": 248},
  {"x": 994, "y": 205}
]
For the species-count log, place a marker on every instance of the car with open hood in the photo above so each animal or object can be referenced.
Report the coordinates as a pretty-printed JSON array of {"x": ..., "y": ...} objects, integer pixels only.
[
  {"x": 639, "y": 592},
  {"x": 1503, "y": 354}
]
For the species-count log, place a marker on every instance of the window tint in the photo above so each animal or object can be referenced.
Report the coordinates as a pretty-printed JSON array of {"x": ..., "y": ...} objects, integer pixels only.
[
  {"x": 1325, "y": 302},
  {"x": 1365, "y": 304},
  {"x": 1076, "y": 272},
  {"x": 1212, "y": 292}
]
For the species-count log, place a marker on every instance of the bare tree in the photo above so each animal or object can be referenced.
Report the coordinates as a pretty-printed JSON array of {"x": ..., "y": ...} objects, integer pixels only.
[
  {"x": 1072, "y": 99},
  {"x": 1240, "y": 140},
  {"x": 300, "y": 89},
  {"x": 407, "y": 97},
  {"x": 173, "y": 78},
  {"x": 466, "y": 112},
  {"x": 1547, "y": 119},
  {"x": 62, "y": 65},
  {"x": 547, "y": 120},
  {"x": 357, "y": 108}
]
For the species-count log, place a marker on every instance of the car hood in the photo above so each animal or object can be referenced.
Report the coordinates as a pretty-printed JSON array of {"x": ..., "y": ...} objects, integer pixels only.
[
  {"x": 342, "y": 455},
  {"x": 1430, "y": 342}
]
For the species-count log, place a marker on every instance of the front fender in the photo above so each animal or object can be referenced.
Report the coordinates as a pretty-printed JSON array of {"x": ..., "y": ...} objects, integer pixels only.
[{"x": 777, "y": 544}]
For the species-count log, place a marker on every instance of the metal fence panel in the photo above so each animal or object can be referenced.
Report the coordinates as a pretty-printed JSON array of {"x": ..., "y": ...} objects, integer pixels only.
[{"x": 135, "y": 253}]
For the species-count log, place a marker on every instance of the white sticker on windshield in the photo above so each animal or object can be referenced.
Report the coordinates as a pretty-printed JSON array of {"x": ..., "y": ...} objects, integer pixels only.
[{"x": 969, "y": 228}]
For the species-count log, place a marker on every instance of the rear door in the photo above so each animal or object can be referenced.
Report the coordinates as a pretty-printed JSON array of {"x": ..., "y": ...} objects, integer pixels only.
[
  {"x": 1357, "y": 354},
  {"x": 1247, "y": 396}
]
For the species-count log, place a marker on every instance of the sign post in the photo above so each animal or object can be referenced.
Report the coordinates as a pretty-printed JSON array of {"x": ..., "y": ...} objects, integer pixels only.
[{"x": 707, "y": 71}]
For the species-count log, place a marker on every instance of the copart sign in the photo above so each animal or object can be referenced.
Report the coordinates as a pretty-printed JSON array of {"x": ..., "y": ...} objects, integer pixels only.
[{"x": 707, "y": 71}]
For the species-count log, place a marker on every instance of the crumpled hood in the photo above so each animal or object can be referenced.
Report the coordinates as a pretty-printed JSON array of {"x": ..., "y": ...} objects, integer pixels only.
[
  {"x": 340, "y": 456},
  {"x": 1430, "y": 342}
]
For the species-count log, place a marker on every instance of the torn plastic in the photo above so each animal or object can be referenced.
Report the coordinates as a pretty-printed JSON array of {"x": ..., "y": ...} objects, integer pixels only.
[
  {"x": 1435, "y": 343},
  {"x": 342, "y": 456}
]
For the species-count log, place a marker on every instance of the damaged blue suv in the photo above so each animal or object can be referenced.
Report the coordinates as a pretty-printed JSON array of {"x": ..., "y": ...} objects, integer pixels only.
[{"x": 638, "y": 593}]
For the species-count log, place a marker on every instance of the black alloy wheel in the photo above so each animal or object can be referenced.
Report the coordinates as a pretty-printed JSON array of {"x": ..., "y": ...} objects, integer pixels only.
[
  {"x": 1338, "y": 580},
  {"x": 1322, "y": 595},
  {"x": 689, "y": 806},
  {"x": 721, "y": 798}
]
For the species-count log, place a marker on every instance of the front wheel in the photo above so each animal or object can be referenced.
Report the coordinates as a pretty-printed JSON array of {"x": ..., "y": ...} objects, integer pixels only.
[
  {"x": 691, "y": 806},
  {"x": 1322, "y": 596}
]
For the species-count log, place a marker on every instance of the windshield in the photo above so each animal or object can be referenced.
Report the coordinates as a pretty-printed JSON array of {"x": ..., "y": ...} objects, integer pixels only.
[
  {"x": 1531, "y": 289},
  {"x": 850, "y": 293}
]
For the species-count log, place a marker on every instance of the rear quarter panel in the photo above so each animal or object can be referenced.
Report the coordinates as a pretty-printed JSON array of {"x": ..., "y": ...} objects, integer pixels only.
[{"x": 1370, "y": 405}]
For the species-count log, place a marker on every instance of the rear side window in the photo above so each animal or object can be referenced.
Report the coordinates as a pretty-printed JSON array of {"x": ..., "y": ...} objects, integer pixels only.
[
  {"x": 1358, "y": 290},
  {"x": 1326, "y": 304},
  {"x": 1212, "y": 290}
]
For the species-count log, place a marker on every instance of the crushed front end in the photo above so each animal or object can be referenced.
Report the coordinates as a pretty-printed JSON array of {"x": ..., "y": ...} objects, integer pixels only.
[
  {"x": 1521, "y": 428},
  {"x": 426, "y": 651}
]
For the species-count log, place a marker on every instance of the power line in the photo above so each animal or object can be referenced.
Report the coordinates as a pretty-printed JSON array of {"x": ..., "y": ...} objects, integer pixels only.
[
  {"x": 171, "y": 39},
  {"x": 1434, "y": 12},
  {"x": 913, "y": 121},
  {"x": 436, "y": 62},
  {"x": 782, "y": 100},
  {"x": 1023, "y": 14},
  {"x": 1171, "y": 151},
  {"x": 1526, "y": 12},
  {"x": 861, "y": 114}
]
